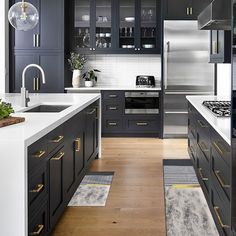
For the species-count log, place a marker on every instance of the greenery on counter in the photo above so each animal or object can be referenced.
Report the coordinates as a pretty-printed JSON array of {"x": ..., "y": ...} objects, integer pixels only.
[
  {"x": 5, "y": 109},
  {"x": 77, "y": 61},
  {"x": 91, "y": 75}
]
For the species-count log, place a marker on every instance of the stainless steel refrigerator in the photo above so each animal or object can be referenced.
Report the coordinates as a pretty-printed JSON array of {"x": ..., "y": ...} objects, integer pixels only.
[{"x": 187, "y": 71}]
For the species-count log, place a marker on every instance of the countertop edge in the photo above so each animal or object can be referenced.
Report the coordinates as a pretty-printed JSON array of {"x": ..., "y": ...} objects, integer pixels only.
[{"x": 111, "y": 88}]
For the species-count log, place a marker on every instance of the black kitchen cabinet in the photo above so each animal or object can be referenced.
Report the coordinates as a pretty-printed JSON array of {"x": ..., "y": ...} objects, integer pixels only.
[
  {"x": 220, "y": 49},
  {"x": 125, "y": 27},
  {"x": 211, "y": 160},
  {"x": 184, "y": 9}
]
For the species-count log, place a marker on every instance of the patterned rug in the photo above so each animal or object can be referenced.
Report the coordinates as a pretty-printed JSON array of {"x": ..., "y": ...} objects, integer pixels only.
[
  {"x": 187, "y": 212},
  {"x": 93, "y": 190}
]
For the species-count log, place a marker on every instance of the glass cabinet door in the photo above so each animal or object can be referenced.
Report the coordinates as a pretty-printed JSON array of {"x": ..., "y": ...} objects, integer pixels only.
[
  {"x": 127, "y": 24},
  {"x": 82, "y": 24},
  {"x": 103, "y": 24},
  {"x": 149, "y": 24}
]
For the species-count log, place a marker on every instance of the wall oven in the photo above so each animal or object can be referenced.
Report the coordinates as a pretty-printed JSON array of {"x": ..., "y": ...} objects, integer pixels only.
[{"x": 142, "y": 102}]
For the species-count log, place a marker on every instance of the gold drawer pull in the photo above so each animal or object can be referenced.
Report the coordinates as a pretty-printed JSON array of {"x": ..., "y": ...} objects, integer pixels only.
[
  {"x": 214, "y": 47},
  {"x": 202, "y": 124},
  {"x": 39, "y": 154},
  {"x": 191, "y": 11},
  {"x": 112, "y": 96},
  {"x": 222, "y": 183},
  {"x": 112, "y": 124},
  {"x": 113, "y": 108},
  {"x": 78, "y": 143},
  {"x": 187, "y": 11},
  {"x": 58, "y": 139},
  {"x": 141, "y": 124},
  {"x": 216, "y": 209},
  {"x": 203, "y": 147},
  {"x": 201, "y": 175},
  {"x": 58, "y": 157},
  {"x": 92, "y": 111},
  {"x": 38, "y": 189},
  {"x": 39, "y": 230},
  {"x": 219, "y": 147}
]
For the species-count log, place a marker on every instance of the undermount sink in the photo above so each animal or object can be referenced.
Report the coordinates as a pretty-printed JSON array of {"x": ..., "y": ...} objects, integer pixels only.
[{"x": 48, "y": 108}]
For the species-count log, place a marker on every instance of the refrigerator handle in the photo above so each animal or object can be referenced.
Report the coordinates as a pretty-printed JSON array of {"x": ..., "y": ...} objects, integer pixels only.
[{"x": 166, "y": 51}]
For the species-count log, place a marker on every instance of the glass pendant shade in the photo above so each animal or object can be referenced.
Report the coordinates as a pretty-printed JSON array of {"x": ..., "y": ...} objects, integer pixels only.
[{"x": 23, "y": 16}]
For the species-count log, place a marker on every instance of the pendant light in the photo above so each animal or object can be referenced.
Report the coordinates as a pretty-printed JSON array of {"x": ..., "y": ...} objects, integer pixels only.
[{"x": 23, "y": 16}]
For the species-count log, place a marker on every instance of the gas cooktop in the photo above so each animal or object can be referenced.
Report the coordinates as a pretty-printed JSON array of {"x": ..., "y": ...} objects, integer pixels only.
[{"x": 219, "y": 108}]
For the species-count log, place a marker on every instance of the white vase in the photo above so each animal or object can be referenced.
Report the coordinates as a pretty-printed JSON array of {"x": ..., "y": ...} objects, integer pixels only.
[
  {"x": 76, "y": 78},
  {"x": 88, "y": 83}
]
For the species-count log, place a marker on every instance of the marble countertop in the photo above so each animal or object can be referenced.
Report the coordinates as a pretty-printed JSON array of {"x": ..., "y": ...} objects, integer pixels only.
[
  {"x": 222, "y": 125},
  {"x": 113, "y": 87}
]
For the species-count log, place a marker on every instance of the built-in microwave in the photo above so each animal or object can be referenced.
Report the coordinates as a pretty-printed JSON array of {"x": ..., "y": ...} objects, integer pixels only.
[{"x": 142, "y": 102}]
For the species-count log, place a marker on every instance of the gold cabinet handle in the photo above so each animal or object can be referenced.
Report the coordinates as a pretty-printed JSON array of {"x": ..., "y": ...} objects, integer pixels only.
[
  {"x": 112, "y": 96},
  {"x": 219, "y": 148},
  {"x": 203, "y": 147},
  {"x": 39, "y": 154},
  {"x": 222, "y": 183},
  {"x": 191, "y": 11},
  {"x": 34, "y": 84},
  {"x": 112, "y": 108},
  {"x": 37, "y": 84},
  {"x": 187, "y": 10},
  {"x": 38, "y": 189},
  {"x": 58, "y": 139},
  {"x": 216, "y": 209},
  {"x": 201, "y": 175},
  {"x": 141, "y": 124},
  {"x": 39, "y": 230},
  {"x": 92, "y": 111},
  {"x": 202, "y": 124},
  {"x": 214, "y": 47},
  {"x": 112, "y": 124},
  {"x": 78, "y": 145},
  {"x": 58, "y": 157}
]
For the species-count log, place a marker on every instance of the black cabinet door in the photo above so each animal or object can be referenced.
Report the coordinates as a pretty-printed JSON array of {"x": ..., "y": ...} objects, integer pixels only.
[
  {"x": 20, "y": 62},
  {"x": 52, "y": 63},
  {"x": 51, "y": 24},
  {"x": 26, "y": 39},
  {"x": 90, "y": 132},
  {"x": 178, "y": 9}
]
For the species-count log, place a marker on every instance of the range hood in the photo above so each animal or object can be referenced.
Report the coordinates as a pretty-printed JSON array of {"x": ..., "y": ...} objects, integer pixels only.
[{"x": 216, "y": 16}]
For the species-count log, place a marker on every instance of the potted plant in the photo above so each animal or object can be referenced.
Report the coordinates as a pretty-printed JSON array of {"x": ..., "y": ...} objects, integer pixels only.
[
  {"x": 77, "y": 63},
  {"x": 90, "y": 77},
  {"x": 5, "y": 110}
]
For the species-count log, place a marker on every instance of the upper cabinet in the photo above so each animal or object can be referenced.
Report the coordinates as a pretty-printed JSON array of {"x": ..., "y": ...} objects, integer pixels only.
[
  {"x": 184, "y": 9},
  {"x": 109, "y": 26}
]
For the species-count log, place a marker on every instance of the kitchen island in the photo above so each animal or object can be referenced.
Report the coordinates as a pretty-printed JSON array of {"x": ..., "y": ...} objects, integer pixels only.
[{"x": 41, "y": 150}]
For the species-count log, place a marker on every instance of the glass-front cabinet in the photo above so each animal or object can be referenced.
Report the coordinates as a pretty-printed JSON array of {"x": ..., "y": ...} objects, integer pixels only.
[{"x": 117, "y": 26}]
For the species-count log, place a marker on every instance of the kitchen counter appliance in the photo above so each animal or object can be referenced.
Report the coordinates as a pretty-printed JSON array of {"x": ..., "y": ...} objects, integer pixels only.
[
  {"x": 219, "y": 108},
  {"x": 142, "y": 103},
  {"x": 145, "y": 81}
]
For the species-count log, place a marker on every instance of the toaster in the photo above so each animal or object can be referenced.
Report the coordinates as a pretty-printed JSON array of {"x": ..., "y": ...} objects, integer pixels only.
[{"x": 145, "y": 81}]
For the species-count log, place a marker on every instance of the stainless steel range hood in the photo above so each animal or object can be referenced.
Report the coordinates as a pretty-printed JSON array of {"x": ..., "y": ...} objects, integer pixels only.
[{"x": 216, "y": 16}]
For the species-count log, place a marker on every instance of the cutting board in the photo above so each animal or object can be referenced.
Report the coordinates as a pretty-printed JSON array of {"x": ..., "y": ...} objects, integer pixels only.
[{"x": 11, "y": 121}]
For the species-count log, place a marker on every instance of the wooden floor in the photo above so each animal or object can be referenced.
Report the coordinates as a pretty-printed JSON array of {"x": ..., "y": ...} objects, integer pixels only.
[{"x": 135, "y": 205}]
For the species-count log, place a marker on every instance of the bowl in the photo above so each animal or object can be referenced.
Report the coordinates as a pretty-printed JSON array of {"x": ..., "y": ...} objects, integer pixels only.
[
  {"x": 102, "y": 35},
  {"x": 148, "y": 46},
  {"x": 130, "y": 19},
  {"x": 85, "y": 18},
  {"x": 108, "y": 35}
]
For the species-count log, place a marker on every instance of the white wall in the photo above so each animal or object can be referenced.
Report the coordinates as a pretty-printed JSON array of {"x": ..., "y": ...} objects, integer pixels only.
[
  {"x": 123, "y": 69},
  {"x": 224, "y": 80},
  {"x": 4, "y": 47}
]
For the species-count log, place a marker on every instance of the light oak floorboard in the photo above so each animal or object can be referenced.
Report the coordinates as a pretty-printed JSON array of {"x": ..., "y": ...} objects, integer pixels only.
[{"x": 135, "y": 205}]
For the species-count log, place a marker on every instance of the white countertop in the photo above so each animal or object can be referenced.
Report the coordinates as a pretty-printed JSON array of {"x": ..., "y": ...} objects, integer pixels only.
[
  {"x": 222, "y": 125},
  {"x": 14, "y": 141},
  {"x": 113, "y": 87}
]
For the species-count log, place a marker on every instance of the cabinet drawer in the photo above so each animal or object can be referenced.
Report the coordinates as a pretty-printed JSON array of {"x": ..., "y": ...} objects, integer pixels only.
[
  {"x": 221, "y": 173},
  {"x": 203, "y": 171},
  {"x": 142, "y": 125},
  {"x": 221, "y": 147},
  {"x": 203, "y": 137},
  {"x": 221, "y": 213},
  {"x": 37, "y": 154},
  {"x": 112, "y": 125},
  {"x": 112, "y": 109},
  {"x": 55, "y": 138},
  {"x": 37, "y": 188},
  {"x": 113, "y": 95},
  {"x": 39, "y": 224}
]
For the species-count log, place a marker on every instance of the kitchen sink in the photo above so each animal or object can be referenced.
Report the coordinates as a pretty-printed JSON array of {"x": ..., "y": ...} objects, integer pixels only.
[{"x": 48, "y": 108}]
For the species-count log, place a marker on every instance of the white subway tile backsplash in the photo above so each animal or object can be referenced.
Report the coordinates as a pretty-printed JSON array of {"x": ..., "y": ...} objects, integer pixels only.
[{"x": 123, "y": 69}]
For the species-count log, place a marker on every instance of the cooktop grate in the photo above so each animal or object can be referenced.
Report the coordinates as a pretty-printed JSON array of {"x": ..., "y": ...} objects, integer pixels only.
[{"x": 219, "y": 108}]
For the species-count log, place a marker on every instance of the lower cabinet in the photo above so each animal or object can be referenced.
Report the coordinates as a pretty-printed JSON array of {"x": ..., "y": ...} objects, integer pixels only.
[
  {"x": 211, "y": 159},
  {"x": 57, "y": 164}
]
